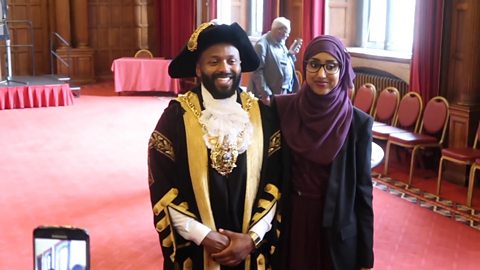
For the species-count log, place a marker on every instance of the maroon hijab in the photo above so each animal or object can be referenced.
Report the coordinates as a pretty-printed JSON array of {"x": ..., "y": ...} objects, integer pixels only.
[{"x": 315, "y": 126}]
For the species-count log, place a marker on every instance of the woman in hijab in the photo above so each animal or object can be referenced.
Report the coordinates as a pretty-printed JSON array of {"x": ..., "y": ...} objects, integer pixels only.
[{"x": 327, "y": 208}]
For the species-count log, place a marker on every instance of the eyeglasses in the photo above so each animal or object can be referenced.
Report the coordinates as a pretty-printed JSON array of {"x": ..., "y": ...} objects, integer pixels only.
[{"x": 331, "y": 68}]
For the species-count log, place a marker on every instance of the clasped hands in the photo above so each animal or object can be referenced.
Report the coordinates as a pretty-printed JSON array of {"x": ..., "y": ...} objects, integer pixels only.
[{"x": 228, "y": 248}]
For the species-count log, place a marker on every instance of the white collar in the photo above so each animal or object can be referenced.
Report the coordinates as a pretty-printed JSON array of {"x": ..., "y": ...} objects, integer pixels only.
[{"x": 225, "y": 122}]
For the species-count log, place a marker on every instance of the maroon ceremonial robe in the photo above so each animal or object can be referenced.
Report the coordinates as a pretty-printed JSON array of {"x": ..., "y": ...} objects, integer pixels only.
[{"x": 181, "y": 177}]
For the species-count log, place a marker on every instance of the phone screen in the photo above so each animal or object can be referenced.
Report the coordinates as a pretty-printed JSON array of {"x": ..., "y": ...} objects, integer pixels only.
[{"x": 56, "y": 250}]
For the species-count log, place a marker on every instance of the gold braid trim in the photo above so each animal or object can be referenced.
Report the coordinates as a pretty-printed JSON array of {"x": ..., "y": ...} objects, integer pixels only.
[
  {"x": 198, "y": 166},
  {"x": 167, "y": 242},
  {"x": 197, "y": 155},
  {"x": 275, "y": 143},
  {"x": 273, "y": 190},
  {"x": 162, "y": 224},
  {"x": 182, "y": 209},
  {"x": 254, "y": 160},
  {"x": 163, "y": 145},
  {"x": 266, "y": 204},
  {"x": 165, "y": 222},
  {"x": 164, "y": 201},
  {"x": 263, "y": 203},
  {"x": 188, "y": 264},
  {"x": 192, "y": 44},
  {"x": 261, "y": 262}
]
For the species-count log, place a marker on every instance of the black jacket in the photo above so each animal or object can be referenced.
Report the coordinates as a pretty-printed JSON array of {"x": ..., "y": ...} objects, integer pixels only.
[{"x": 348, "y": 212}]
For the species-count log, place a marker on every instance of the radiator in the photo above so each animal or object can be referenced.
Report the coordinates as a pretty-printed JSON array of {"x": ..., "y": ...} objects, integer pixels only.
[{"x": 380, "y": 80}]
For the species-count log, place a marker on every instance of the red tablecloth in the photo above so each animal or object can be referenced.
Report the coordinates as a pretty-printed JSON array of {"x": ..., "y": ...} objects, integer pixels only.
[
  {"x": 32, "y": 96},
  {"x": 143, "y": 74}
]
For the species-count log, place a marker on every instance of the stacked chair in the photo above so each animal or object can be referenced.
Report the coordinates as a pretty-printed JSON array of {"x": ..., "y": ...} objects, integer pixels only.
[
  {"x": 365, "y": 97},
  {"x": 386, "y": 106},
  {"x": 430, "y": 135},
  {"x": 468, "y": 156},
  {"x": 406, "y": 118}
]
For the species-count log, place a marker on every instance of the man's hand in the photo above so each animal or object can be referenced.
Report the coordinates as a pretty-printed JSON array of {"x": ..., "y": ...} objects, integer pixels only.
[
  {"x": 295, "y": 47},
  {"x": 239, "y": 248},
  {"x": 215, "y": 242}
]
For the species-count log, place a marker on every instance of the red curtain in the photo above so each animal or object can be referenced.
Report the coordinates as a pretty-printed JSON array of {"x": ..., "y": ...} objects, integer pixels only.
[
  {"x": 212, "y": 9},
  {"x": 271, "y": 10},
  {"x": 176, "y": 22},
  {"x": 425, "y": 67},
  {"x": 313, "y": 21}
]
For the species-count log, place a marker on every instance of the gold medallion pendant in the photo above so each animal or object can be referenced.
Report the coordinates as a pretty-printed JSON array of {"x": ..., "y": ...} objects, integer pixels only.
[{"x": 224, "y": 158}]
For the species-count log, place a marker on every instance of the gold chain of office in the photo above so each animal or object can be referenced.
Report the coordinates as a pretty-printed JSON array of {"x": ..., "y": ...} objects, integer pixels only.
[{"x": 223, "y": 155}]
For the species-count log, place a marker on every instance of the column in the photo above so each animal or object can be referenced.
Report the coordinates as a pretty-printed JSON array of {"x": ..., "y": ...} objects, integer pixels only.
[
  {"x": 62, "y": 25},
  {"x": 80, "y": 23},
  {"x": 464, "y": 82}
]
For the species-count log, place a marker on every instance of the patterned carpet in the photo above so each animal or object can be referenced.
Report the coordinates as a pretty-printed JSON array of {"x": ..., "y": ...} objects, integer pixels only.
[{"x": 447, "y": 208}]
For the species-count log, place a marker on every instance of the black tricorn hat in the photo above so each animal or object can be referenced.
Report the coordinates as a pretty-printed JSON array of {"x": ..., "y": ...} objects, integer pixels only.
[{"x": 206, "y": 35}]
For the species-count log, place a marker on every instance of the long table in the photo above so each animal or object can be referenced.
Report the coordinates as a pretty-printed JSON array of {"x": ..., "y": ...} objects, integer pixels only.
[{"x": 143, "y": 74}]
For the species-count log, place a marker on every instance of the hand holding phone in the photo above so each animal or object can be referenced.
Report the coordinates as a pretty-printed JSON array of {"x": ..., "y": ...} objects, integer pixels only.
[
  {"x": 296, "y": 45},
  {"x": 61, "y": 247}
]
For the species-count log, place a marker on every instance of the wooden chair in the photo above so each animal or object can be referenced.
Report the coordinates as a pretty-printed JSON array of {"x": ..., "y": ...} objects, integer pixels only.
[
  {"x": 143, "y": 53},
  {"x": 471, "y": 180},
  {"x": 386, "y": 106},
  {"x": 406, "y": 119},
  {"x": 431, "y": 134},
  {"x": 459, "y": 155},
  {"x": 364, "y": 98}
]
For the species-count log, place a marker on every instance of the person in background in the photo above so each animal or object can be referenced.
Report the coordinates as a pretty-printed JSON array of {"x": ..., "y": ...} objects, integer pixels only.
[
  {"x": 213, "y": 160},
  {"x": 276, "y": 72},
  {"x": 327, "y": 204}
]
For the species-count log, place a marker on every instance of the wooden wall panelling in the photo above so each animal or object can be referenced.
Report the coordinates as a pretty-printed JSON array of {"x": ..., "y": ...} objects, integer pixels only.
[
  {"x": 152, "y": 20},
  {"x": 112, "y": 32},
  {"x": 463, "y": 79},
  {"x": 142, "y": 22},
  {"x": 81, "y": 65},
  {"x": 341, "y": 20},
  {"x": 293, "y": 10},
  {"x": 463, "y": 125},
  {"x": 462, "y": 84},
  {"x": 23, "y": 14}
]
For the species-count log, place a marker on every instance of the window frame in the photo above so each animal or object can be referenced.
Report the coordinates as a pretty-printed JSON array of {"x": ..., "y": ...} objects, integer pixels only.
[{"x": 387, "y": 44}]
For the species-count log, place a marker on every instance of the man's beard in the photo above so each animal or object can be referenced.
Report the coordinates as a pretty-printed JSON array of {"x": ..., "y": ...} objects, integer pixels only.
[{"x": 224, "y": 92}]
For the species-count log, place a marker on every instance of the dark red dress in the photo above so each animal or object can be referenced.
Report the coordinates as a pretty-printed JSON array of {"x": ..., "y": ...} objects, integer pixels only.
[{"x": 308, "y": 244}]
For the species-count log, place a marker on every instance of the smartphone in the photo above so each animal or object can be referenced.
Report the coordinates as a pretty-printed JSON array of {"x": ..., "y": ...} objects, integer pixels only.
[
  {"x": 295, "y": 47},
  {"x": 61, "y": 248}
]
